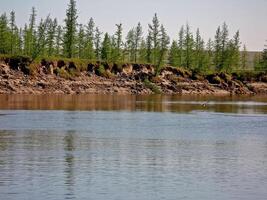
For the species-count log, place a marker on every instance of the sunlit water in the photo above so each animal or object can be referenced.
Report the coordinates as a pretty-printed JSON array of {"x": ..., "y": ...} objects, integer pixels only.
[{"x": 133, "y": 147}]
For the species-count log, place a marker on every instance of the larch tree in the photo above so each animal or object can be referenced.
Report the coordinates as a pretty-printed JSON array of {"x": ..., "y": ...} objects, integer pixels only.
[
  {"x": 106, "y": 48},
  {"x": 30, "y": 34},
  {"x": 3, "y": 34},
  {"x": 70, "y": 30},
  {"x": 89, "y": 40},
  {"x": 138, "y": 32},
  {"x": 80, "y": 42},
  {"x": 154, "y": 32},
  {"x": 51, "y": 34},
  {"x": 189, "y": 45},
  {"x": 118, "y": 43},
  {"x": 217, "y": 46},
  {"x": 97, "y": 42},
  {"x": 174, "y": 54},
  {"x": 58, "y": 41},
  {"x": 130, "y": 47},
  {"x": 149, "y": 49},
  {"x": 163, "y": 48},
  {"x": 41, "y": 41},
  {"x": 181, "y": 47},
  {"x": 13, "y": 37},
  {"x": 244, "y": 58}
]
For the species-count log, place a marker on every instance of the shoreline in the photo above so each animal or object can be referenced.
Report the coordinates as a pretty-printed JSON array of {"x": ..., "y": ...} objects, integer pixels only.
[{"x": 170, "y": 81}]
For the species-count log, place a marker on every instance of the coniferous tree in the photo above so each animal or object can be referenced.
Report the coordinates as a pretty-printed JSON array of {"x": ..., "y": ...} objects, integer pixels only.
[
  {"x": 225, "y": 45},
  {"x": 217, "y": 48},
  {"x": 89, "y": 41},
  {"x": 244, "y": 58},
  {"x": 51, "y": 34},
  {"x": 41, "y": 41},
  {"x": 70, "y": 30},
  {"x": 199, "y": 48},
  {"x": 97, "y": 41},
  {"x": 81, "y": 42},
  {"x": 142, "y": 52},
  {"x": 130, "y": 45},
  {"x": 174, "y": 54},
  {"x": 209, "y": 55},
  {"x": 58, "y": 42},
  {"x": 263, "y": 61},
  {"x": 189, "y": 44},
  {"x": 154, "y": 33},
  {"x": 30, "y": 34},
  {"x": 12, "y": 33},
  {"x": 163, "y": 47},
  {"x": 3, "y": 34},
  {"x": 117, "y": 43},
  {"x": 138, "y": 37},
  {"x": 149, "y": 48},
  {"x": 106, "y": 48},
  {"x": 236, "y": 51},
  {"x": 181, "y": 47}
]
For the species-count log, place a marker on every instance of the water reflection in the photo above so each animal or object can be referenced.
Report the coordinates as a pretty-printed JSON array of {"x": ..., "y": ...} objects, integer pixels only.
[
  {"x": 69, "y": 147},
  {"x": 153, "y": 103}
]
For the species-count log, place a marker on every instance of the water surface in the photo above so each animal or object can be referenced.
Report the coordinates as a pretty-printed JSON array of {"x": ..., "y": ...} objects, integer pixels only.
[{"x": 133, "y": 147}]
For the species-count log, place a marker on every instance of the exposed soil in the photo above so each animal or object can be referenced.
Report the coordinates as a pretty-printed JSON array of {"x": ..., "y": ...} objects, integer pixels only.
[{"x": 127, "y": 79}]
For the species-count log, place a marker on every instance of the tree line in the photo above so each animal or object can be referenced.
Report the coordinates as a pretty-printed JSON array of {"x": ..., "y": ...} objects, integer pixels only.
[{"x": 48, "y": 38}]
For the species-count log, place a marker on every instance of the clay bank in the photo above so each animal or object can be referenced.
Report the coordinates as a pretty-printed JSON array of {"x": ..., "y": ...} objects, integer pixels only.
[{"x": 19, "y": 75}]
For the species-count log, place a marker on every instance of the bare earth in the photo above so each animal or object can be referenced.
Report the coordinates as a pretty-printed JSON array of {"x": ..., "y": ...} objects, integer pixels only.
[{"x": 16, "y": 82}]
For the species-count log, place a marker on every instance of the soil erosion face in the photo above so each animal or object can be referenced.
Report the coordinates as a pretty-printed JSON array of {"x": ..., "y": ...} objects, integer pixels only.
[{"x": 67, "y": 78}]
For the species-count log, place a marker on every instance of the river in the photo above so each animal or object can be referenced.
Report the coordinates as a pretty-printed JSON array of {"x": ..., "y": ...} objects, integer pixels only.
[{"x": 132, "y": 147}]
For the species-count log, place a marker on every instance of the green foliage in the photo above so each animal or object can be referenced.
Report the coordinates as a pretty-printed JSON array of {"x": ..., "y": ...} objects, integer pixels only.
[
  {"x": 106, "y": 48},
  {"x": 70, "y": 29},
  {"x": 85, "y": 42},
  {"x": 189, "y": 44},
  {"x": 174, "y": 54},
  {"x": 154, "y": 88}
]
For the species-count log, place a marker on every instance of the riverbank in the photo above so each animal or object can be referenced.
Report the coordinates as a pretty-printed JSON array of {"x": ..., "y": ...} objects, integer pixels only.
[{"x": 129, "y": 79}]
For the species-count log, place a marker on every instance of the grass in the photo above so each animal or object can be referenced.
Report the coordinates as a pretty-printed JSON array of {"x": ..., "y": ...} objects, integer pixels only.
[{"x": 154, "y": 88}]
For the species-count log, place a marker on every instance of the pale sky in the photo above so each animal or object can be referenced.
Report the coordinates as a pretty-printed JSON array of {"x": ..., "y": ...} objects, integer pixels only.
[{"x": 248, "y": 16}]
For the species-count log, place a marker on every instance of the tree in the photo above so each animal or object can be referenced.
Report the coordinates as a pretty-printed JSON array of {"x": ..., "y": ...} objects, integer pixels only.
[
  {"x": 189, "y": 44},
  {"x": 30, "y": 34},
  {"x": 58, "y": 41},
  {"x": 12, "y": 32},
  {"x": 244, "y": 58},
  {"x": 106, "y": 48},
  {"x": 3, "y": 34},
  {"x": 174, "y": 55},
  {"x": 164, "y": 42},
  {"x": 51, "y": 34},
  {"x": 89, "y": 40},
  {"x": 218, "y": 48},
  {"x": 131, "y": 45},
  {"x": 225, "y": 45},
  {"x": 236, "y": 51},
  {"x": 209, "y": 55},
  {"x": 41, "y": 41},
  {"x": 70, "y": 29},
  {"x": 154, "y": 33},
  {"x": 97, "y": 41},
  {"x": 81, "y": 42},
  {"x": 142, "y": 52},
  {"x": 137, "y": 39},
  {"x": 263, "y": 61},
  {"x": 149, "y": 48},
  {"x": 181, "y": 47},
  {"x": 117, "y": 43}
]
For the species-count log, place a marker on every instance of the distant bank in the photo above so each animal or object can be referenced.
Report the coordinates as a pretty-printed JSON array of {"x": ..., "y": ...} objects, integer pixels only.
[{"x": 19, "y": 76}]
